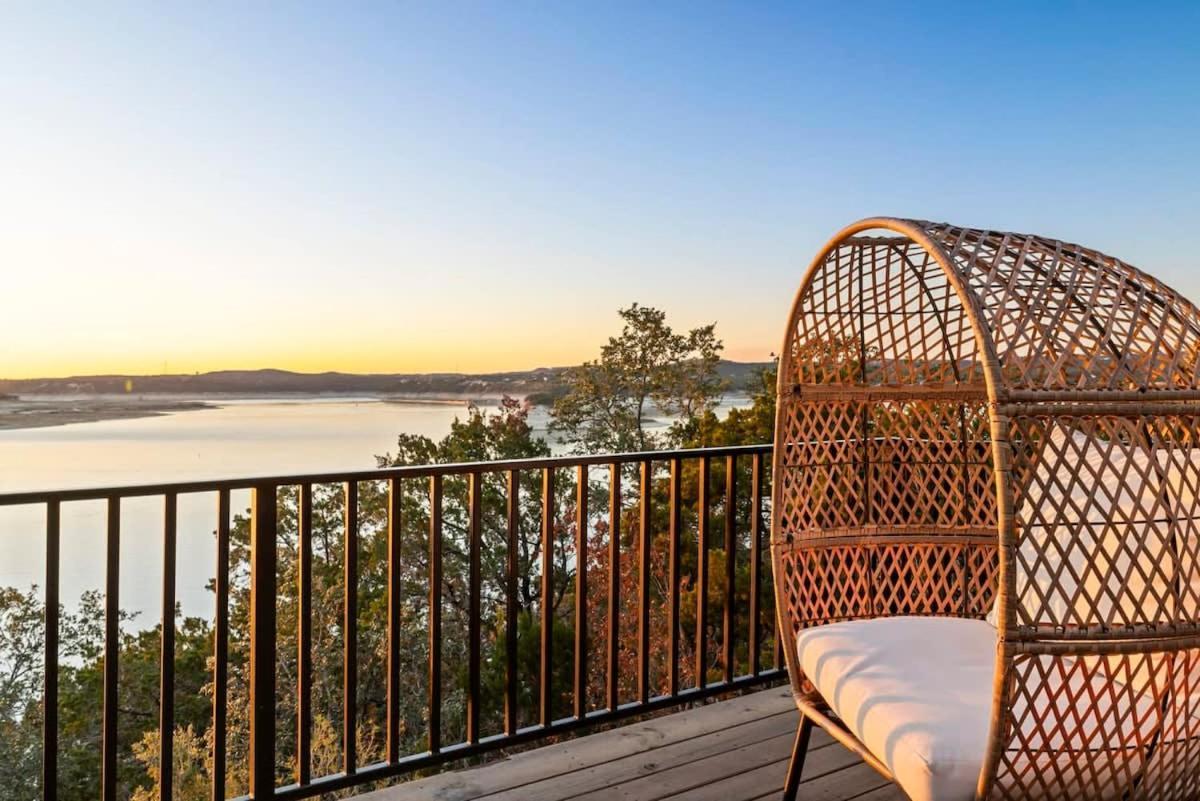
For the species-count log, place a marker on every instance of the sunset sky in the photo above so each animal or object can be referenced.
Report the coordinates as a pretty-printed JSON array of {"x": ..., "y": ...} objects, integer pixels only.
[{"x": 409, "y": 187}]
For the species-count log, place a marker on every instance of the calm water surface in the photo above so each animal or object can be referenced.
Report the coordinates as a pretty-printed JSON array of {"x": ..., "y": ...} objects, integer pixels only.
[{"x": 240, "y": 438}]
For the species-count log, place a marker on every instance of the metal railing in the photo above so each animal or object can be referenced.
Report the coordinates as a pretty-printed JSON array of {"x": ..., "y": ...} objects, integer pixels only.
[{"x": 715, "y": 668}]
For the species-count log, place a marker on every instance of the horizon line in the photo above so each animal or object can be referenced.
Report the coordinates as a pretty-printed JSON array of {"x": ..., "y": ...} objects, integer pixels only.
[{"x": 81, "y": 377}]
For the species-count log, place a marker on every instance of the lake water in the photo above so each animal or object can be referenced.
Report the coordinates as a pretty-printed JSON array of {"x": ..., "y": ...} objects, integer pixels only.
[{"x": 239, "y": 438}]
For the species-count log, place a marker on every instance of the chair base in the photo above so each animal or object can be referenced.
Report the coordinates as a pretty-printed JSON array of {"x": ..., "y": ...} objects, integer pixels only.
[{"x": 791, "y": 784}]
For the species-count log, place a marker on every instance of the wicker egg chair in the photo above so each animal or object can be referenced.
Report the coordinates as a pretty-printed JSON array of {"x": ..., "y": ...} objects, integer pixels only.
[{"x": 985, "y": 524}]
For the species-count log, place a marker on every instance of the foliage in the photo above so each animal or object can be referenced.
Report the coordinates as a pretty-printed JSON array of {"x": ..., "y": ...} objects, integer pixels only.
[
  {"x": 20, "y": 688},
  {"x": 741, "y": 426},
  {"x": 609, "y": 404},
  {"x": 683, "y": 382}
]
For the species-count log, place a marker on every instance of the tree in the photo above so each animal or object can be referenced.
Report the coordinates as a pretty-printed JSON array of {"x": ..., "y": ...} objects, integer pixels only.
[
  {"x": 610, "y": 403},
  {"x": 683, "y": 383},
  {"x": 20, "y": 689},
  {"x": 482, "y": 437},
  {"x": 747, "y": 425}
]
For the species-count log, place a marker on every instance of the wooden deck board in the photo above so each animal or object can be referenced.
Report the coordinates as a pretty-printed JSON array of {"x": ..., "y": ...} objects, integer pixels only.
[{"x": 735, "y": 750}]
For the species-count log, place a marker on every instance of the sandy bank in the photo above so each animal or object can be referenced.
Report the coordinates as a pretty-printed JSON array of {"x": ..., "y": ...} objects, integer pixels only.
[{"x": 43, "y": 413}]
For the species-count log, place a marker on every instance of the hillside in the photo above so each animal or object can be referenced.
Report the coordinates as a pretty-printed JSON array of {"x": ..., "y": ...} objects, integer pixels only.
[{"x": 542, "y": 382}]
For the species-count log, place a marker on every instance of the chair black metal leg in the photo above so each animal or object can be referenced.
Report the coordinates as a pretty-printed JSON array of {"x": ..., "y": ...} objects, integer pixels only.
[{"x": 796, "y": 766}]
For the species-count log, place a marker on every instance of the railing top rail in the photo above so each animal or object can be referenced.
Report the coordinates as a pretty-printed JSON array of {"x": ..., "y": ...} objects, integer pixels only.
[{"x": 406, "y": 471}]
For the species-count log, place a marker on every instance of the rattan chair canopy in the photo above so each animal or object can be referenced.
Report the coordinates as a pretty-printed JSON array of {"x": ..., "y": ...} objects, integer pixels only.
[{"x": 943, "y": 395}]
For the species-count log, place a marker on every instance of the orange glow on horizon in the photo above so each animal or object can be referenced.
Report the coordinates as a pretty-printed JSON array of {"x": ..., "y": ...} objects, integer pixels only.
[
  {"x": 380, "y": 359},
  {"x": 307, "y": 365}
]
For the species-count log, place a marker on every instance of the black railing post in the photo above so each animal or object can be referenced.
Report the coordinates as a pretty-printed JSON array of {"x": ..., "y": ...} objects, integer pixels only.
[
  {"x": 702, "y": 504},
  {"x": 166, "y": 691},
  {"x": 50, "y": 672},
  {"x": 546, "y": 702},
  {"x": 474, "y": 537},
  {"x": 112, "y": 649},
  {"x": 644, "y": 542},
  {"x": 304, "y": 660},
  {"x": 394, "y": 620},
  {"x": 263, "y": 522},
  {"x": 350, "y": 633},
  {"x": 581, "y": 592},
  {"x": 673, "y": 566},
  {"x": 728, "y": 654},
  {"x": 511, "y": 605},
  {"x": 435, "y": 613},
  {"x": 614, "y": 585},
  {"x": 220, "y": 646},
  {"x": 755, "y": 561}
]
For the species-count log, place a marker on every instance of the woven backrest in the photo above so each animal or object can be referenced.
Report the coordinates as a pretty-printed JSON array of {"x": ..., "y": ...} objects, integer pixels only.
[
  {"x": 1095, "y": 501},
  {"x": 971, "y": 419},
  {"x": 1064, "y": 317}
]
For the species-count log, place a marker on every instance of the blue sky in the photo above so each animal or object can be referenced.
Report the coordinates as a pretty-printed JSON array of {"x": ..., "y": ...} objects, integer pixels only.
[{"x": 480, "y": 186}]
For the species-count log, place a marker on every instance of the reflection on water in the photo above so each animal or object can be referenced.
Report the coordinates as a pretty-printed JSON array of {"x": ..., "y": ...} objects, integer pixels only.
[{"x": 239, "y": 438}]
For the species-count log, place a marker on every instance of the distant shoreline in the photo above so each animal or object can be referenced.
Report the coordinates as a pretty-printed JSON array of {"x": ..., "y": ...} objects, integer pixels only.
[
  {"x": 545, "y": 382},
  {"x": 436, "y": 401},
  {"x": 48, "y": 412},
  {"x": 20, "y": 414}
]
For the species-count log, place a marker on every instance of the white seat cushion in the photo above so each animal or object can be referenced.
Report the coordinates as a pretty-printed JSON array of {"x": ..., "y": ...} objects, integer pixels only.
[{"x": 917, "y": 691}]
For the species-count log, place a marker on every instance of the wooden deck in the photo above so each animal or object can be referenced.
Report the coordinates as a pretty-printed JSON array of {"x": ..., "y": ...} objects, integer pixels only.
[{"x": 734, "y": 750}]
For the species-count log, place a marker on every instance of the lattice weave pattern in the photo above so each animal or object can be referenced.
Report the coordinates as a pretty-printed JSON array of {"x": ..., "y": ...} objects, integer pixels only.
[{"x": 971, "y": 419}]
